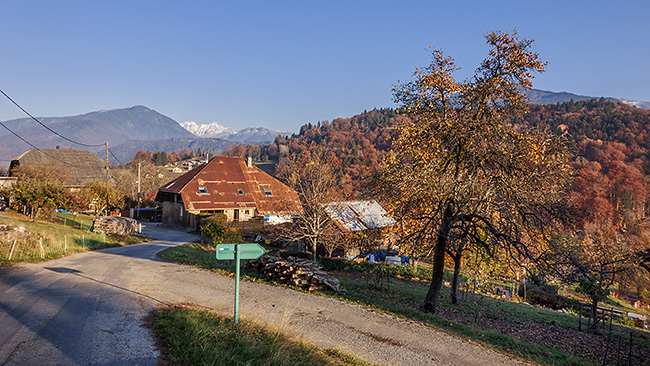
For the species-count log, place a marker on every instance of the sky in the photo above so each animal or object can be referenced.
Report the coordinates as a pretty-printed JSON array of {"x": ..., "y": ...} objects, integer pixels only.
[{"x": 281, "y": 64}]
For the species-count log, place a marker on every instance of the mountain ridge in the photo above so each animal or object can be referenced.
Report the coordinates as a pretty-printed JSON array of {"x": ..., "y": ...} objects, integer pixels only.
[
  {"x": 250, "y": 134},
  {"x": 538, "y": 96}
]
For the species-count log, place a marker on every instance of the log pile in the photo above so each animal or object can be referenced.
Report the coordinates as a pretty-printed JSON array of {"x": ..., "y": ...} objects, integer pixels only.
[
  {"x": 295, "y": 272},
  {"x": 115, "y": 225}
]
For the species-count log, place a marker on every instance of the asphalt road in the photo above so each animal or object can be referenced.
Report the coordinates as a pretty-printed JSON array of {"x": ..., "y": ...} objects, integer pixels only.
[{"x": 87, "y": 309}]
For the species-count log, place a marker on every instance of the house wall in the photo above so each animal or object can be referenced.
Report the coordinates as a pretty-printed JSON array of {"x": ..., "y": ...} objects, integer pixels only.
[
  {"x": 7, "y": 182},
  {"x": 245, "y": 214},
  {"x": 174, "y": 214}
]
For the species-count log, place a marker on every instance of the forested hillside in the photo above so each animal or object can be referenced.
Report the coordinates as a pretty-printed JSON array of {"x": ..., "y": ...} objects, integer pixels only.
[
  {"x": 356, "y": 145},
  {"x": 611, "y": 142}
]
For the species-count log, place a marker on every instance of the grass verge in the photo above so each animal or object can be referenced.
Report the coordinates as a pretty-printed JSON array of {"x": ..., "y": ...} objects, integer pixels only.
[
  {"x": 197, "y": 337},
  {"x": 43, "y": 241}
]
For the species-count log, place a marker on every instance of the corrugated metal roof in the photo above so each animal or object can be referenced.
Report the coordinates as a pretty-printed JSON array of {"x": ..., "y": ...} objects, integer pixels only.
[
  {"x": 228, "y": 183},
  {"x": 81, "y": 166},
  {"x": 359, "y": 215}
]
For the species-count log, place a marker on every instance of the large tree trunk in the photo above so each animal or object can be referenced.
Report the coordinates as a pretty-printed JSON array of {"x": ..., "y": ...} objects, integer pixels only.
[
  {"x": 314, "y": 246},
  {"x": 454, "y": 281},
  {"x": 433, "y": 295}
]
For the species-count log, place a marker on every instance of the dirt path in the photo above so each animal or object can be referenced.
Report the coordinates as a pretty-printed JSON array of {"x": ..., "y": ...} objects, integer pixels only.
[{"x": 88, "y": 309}]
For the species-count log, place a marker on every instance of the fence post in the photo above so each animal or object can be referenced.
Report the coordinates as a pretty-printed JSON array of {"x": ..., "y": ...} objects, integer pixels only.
[
  {"x": 580, "y": 317},
  {"x": 618, "y": 351},
  {"x": 83, "y": 240},
  {"x": 629, "y": 352},
  {"x": 40, "y": 242},
  {"x": 12, "y": 249},
  {"x": 65, "y": 243}
]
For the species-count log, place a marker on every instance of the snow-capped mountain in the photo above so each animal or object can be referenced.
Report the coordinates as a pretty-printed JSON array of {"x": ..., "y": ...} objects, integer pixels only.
[
  {"x": 537, "y": 96},
  {"x": 215, "y": 130},
  {"x": 212, "y": 130}
]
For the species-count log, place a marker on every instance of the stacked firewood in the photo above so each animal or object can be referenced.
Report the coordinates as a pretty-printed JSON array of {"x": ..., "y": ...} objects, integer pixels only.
[
  {"x": 295, "y": 272},
  {"x": 115, "y": 225}
]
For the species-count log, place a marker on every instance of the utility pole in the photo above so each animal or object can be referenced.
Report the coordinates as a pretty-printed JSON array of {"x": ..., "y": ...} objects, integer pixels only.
[
  {"x": 138, "y": 214},
  {"x": 107, "y": 180}
]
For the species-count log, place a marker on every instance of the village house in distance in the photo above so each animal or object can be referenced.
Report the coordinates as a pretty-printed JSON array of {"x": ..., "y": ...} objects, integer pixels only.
[
  {"x": 81, "y": 167},
  {"x": 228, "y": 185}
]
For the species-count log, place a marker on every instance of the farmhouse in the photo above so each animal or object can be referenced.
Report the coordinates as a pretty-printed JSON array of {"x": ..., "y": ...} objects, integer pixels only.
[
  {"x": 228, "y": 185},
  {"x": 80, "y": 166}
]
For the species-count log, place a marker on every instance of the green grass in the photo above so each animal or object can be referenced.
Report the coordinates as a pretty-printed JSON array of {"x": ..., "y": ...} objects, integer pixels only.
[
  {"x": 404, "y": 300},
  {"x": 404, "y": 297},
  {"x": 196, "y": 337},
  {"x": 57, "y": 240},
  {"x": 204, "y": 256},
  {"x": 79, "y": 221}
]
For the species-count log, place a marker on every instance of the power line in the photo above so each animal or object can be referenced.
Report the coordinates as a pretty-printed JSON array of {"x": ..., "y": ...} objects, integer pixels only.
[
  {"x": 113, "y": 155},
  {"x": 32, "y": 145},
  {"x": 40, "y": 123}
]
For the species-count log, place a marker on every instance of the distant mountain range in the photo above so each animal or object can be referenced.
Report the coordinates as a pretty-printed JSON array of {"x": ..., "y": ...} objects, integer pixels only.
[
  {"x": 215, "y": 130},
  {"x": 129, "y": 130},
  {"x": 537, "y": 96},
  {"x": 126, "y": 130}
]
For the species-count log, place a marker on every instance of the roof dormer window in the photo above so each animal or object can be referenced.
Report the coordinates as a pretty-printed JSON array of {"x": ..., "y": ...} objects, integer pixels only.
[
  {"x": 240, "y": 191},
  {"x": 203, "y": 190},
  {"x": 267, "y": 192}
]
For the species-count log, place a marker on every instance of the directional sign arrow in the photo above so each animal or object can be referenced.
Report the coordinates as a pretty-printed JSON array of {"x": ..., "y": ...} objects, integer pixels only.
[
  {"x": 238, "y": 252},
  {"x": 246, "y": 251}
]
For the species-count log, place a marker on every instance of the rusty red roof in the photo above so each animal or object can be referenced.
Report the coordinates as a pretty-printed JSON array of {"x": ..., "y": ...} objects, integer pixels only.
[{"x": 228, "y": 183}]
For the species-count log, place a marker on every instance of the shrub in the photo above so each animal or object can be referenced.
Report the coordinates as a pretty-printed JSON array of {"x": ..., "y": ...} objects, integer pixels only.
[
  {"x": 336, "y": 264},
  {"x": 216, "y": 227},
  {"x": 538, "y": 296}
]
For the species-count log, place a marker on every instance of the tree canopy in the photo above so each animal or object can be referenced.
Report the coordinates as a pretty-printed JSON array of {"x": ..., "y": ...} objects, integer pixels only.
[{"x": 459, "y": 166}]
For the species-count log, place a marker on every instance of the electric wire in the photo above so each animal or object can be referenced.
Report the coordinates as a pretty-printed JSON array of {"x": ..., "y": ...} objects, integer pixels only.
[
  {"x": 49, "y": 129},
  {"x": 115, "y": 157},
  {"x": 32, "y": 145}
]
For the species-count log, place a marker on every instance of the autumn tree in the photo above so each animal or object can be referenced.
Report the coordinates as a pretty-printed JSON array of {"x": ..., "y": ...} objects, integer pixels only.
[
  {"x": 460, "y": 166},
  {"x": 94, "y": 193},
  {"x": 313, "y": 178},
  {"x": 40, "y": 189},
  {"x": 152, "y": 177},
  {"x": 595, "y": 258}
]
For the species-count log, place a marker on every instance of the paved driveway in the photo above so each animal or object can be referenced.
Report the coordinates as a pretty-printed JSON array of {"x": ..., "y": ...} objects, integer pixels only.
[{"x": 88, "y": 308}]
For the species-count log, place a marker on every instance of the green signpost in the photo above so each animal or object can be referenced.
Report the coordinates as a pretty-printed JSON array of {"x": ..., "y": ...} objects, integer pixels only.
[{"x": 237, "y": 252}]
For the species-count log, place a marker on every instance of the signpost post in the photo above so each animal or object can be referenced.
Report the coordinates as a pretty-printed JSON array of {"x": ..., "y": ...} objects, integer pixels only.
[{"x": 237, "y": 252}]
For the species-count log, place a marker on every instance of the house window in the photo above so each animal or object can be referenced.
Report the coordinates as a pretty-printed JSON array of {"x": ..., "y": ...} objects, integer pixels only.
[
  {"x": 267, "y": 192},
  {"x": 203, "y": 190},
  {"x": 247, "y": 212},
  {"x": 240, "y": 192}
]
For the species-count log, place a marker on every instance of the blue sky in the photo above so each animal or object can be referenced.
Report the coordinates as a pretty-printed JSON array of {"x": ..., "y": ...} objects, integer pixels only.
[{"x": 280, "y": 64}]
